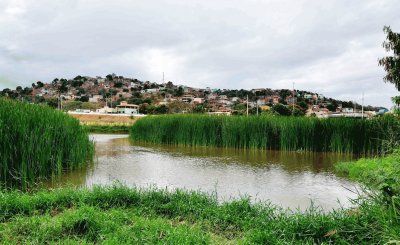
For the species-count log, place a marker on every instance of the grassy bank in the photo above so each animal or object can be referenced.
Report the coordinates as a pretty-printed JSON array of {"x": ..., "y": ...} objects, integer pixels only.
[
  {"x": 121, "y": 215},
  {"x": 38, "y": 142},
  {"x": 282, "y": 133},
  {"x": 381, "y": 173},
  {"x": 107, "y": 128}
]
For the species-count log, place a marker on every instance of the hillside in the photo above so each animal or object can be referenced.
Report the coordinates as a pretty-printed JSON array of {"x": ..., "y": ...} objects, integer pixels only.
[{"x": 91, "y": 93}]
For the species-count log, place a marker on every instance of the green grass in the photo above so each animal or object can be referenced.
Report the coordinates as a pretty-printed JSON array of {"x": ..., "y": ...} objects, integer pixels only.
[
  {"x": 121, "y": 215},
  {"x": 38, "y": 142},
  {"x": 107, "y": 128},
  {"x": 283, "y": 133},
  {"x": 382, "y": 173}
]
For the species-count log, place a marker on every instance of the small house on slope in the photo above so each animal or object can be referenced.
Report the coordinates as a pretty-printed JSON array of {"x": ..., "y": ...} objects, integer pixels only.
[{"x": 128, "y": 109}]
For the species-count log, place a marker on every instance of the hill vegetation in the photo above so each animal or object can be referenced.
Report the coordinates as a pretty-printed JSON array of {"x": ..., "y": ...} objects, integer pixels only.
[{"x": 83, "y": 92}]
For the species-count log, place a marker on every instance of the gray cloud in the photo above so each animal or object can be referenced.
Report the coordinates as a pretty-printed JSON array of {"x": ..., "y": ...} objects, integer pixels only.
[{"x": 331, "y": 47}]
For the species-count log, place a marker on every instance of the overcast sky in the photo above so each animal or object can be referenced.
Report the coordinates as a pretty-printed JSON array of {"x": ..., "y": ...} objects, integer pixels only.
[{"x": 330, "y": 47}]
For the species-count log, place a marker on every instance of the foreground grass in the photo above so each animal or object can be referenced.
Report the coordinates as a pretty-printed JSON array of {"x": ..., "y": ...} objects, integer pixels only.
[
  {"x": 120, "y": 215},
  {"x": 38, "y": 142},
  {"x": 282, "y": 133}
]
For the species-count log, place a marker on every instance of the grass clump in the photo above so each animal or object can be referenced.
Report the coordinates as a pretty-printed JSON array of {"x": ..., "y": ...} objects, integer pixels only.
[
  {"x": 122, "y": 215},
  {"x": 267, "y": 132},
  {"x": 38, "y": 142}
]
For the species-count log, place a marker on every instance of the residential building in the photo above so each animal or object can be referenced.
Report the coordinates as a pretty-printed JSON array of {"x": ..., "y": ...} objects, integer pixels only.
[{"x": 128, "y": 109}]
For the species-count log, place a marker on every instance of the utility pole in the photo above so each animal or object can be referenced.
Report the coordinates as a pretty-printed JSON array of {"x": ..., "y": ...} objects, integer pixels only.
[
  {"x": 293, "y": 100},
  {"x": 362, "y": 106},
  {"x": 163, "y": 78},
  {"x": 247, "y": 105},
  {"x": 257, "y": 105}
]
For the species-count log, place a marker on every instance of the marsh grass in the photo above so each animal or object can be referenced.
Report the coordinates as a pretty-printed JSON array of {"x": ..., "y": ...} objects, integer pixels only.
[
  {"x": 123, "y": 215},
  {"x": 38, "y": 142},
  {"x": 107, "y": 128},
  {"x": 343, "y": 135}
]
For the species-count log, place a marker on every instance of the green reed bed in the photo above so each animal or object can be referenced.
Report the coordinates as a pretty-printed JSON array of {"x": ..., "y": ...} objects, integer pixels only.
[
  {"x": 37, "y": 142},
  {"x": 283, "y": 133},
  {"x": 121, "y": 215},
  {"x": 107, "y": 128}
]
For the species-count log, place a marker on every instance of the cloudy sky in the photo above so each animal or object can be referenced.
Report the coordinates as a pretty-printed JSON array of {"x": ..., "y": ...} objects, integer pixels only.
[{"x": 329, "y": 46}]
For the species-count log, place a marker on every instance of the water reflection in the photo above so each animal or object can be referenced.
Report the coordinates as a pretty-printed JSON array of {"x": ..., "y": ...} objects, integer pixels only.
[{"x": 290, "y": 179}]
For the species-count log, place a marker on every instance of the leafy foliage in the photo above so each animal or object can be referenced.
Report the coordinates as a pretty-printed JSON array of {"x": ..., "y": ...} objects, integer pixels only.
[{"x": 391, "y": 64}]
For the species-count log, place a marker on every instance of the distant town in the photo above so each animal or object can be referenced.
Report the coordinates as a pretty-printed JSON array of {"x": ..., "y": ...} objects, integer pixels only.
[{"x": 119, "y": 95}]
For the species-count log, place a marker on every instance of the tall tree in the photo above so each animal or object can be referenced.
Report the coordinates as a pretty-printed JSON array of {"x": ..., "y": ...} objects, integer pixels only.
[
  {"x": 396, "y": 101},
  {"x": 391, "y": 64}
]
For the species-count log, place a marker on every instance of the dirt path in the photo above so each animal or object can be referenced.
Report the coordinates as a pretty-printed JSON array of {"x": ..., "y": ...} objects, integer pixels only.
[{"x": 104, "y": 119}]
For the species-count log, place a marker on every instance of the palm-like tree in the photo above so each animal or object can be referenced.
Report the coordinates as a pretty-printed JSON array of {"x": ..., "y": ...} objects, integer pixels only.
[{"x": 396, "y": 101}]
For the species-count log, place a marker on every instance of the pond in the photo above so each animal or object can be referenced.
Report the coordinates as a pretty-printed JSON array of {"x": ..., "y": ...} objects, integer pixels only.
[{"x": 289, "y": 179}]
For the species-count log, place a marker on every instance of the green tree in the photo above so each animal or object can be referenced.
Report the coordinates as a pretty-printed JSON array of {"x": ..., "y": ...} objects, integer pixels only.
[
  {"x": 391, "y": 64},
  {"x": 52, "y": 102},
  {"x": 162, "y": 109},
  {"x": 396, "y": 101},
  {"x": 84, "y": 99},
  {"x": 331, "y": 107},
  {"x": 39, "y": 84},
  {"x": 297, "y": 112},
  {"x": 147, "y": 100},
  {"x": 303, "y": 105},
  {"x": 179, "y": 91},
  {"x": 281, "y": 110},
  {"x": 136, "y": 101},
  {"x": 118, "y": 85},
  {"x": 109, "y": 77},
  {"x": 63, "y": 88},
  {"x": 199, "y": 109},
  {"x": 55, "y": 82}
]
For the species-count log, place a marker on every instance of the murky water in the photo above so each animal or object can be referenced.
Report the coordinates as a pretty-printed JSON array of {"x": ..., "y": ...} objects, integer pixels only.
[{"x": 289, "y": 179}]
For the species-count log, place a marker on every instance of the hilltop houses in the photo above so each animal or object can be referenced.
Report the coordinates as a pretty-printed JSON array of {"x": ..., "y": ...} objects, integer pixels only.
[{"x": 120, "y": 95}]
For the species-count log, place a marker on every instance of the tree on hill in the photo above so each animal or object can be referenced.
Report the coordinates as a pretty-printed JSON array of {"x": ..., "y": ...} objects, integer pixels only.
[
  {"x": 118, "y": 85},
  {"x": 39, "y": 84},
  {"x": 281, "y": 110},
  {"x": 63, "y": 88},
  {"x": 303, "y": 105},
  {"x": 391, "y": 64},
  {"x": 396, "y": 101},
  {"x": 179, "y": 91},
  {"x": 84, "y": 99},
  {"x": 109, "y": 77},
  {"x": 55, "y": 81}
]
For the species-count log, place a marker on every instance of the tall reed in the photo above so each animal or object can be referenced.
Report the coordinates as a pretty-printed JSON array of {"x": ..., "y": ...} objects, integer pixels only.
[
  {"x": 344, "y": 135},
  {"x": 37, "y": 142}
]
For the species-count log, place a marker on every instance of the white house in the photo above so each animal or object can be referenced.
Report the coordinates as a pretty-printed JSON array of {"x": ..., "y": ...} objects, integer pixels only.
[
  {"x": 106, "y": 110},
  {"x": 128, "y": 109},
  {"x": 197, "y": 101},
  {"x": 95, "y": 98},
  {"x": 188, "y": 98}
]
